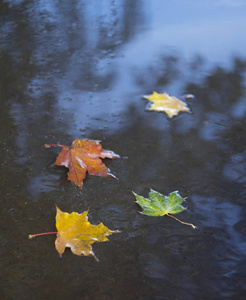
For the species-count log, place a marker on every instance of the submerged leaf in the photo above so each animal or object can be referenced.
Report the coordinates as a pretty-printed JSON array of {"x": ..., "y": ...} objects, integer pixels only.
[
  {"x": 165, "y": 103},
  {"x": 83, "y": 156},
  {"x": 158, "y": 205},
  {"x": 77, "y": 233}
]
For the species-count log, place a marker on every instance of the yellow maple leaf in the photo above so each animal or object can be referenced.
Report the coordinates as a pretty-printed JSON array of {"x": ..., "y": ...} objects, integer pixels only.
[
  {"x": 77, "y": 233},
  {"x": 165, "y": 103}
]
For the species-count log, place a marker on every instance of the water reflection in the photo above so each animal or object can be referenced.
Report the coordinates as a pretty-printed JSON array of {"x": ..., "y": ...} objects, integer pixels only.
[{"x": 79, "y": 70}]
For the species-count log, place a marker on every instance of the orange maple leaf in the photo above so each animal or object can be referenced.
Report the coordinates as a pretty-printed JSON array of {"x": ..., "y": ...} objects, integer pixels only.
[
  {"x": 84, "y": 155},
  {"x": 77, "y": 233}
]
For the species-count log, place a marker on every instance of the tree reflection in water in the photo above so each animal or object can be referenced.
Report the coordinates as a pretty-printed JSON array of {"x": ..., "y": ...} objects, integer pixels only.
[{"x": 79, "y": 69}]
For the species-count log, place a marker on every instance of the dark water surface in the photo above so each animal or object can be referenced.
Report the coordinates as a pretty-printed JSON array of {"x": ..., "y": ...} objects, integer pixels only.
[{"x": 79, "y": 69}]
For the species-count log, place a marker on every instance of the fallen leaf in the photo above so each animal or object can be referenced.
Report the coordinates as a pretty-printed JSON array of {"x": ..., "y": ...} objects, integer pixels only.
[
  {"x": 77, "y": 233},
  {"x": 83, "y": 156},
  {"x": 165, "y": 103},
  {"x": 158, "y": 205}
]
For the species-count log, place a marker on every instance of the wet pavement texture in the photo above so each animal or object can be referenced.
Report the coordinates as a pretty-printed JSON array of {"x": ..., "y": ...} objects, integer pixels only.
[{"x": 79, "y": 69}]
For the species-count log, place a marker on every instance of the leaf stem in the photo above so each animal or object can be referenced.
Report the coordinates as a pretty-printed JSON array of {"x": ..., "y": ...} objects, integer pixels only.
[
  {"x": 43, "y": 233},
  {"x": 193, "y": 226}
]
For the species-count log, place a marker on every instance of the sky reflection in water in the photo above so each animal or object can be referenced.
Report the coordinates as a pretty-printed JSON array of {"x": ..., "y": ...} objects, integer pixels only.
[{"x": 79, "y": 70}]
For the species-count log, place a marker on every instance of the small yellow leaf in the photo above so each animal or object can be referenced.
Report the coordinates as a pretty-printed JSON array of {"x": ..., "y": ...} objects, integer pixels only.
[
  {"x": 165, "y": 103},
  {"x": 77, "y": 233}
]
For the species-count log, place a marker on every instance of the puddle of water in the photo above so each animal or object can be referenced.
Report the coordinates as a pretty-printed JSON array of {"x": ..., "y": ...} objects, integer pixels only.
[{"x": 79, "y": 70}]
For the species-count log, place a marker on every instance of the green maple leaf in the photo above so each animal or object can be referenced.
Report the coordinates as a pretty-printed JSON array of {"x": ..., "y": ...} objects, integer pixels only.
[{"x": 158, "y": 205}]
